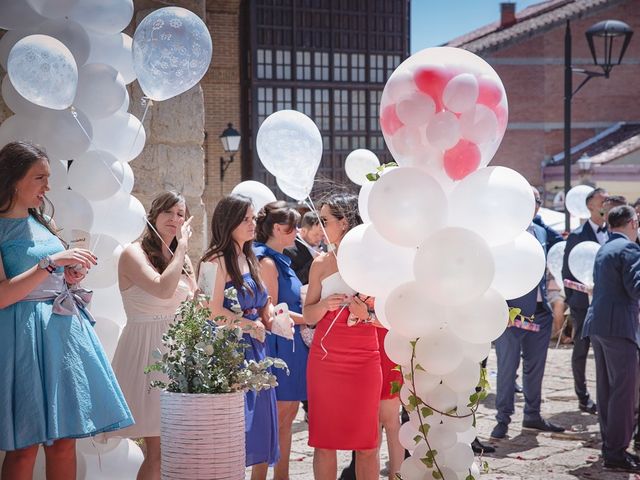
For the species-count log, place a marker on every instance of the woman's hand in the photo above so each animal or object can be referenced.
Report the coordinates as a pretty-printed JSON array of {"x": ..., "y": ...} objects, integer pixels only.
[
  {"x": 335, "y": 301},
  {"x": 258, "y": 331},
  {"x": 359, "y": 309},
  {"x": 75, "y": 256},
  {"x": 74, "y": 275},
  {"x": 184, "y": 233}
]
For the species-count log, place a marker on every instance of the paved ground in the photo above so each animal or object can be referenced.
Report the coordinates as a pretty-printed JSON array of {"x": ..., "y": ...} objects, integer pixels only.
[{"x": 525, "y": 454}]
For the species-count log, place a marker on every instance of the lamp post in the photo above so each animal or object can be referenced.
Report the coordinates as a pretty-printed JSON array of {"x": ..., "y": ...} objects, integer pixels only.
[
  {"x": 230, "y": 139},
  {"x": 607, "y": 33}
]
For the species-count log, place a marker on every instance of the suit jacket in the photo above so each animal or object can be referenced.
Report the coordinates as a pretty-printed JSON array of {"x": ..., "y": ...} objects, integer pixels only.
[
  {"x": 616, "y": 274},
  {"x": 583, "y": 233},
  {"x": 301, "y": 260},
  {"x": 528, "y": 302}
]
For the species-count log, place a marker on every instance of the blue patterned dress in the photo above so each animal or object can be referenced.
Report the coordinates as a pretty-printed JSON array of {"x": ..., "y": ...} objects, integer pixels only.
[
  {"x": 292, "y": 387},
  {"x": 260, "y": 411},
  {"x": 55, "y": 379}
]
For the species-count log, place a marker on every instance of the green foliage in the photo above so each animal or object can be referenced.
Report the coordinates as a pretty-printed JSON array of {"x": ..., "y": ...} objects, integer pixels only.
[
  {"x": 202, "y": 357},
  {"x": 373, "y": 176}
]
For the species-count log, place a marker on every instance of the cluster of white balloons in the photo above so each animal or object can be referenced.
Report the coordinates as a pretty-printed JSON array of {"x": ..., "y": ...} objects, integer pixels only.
[
  {"x": 441, "y": 252},
  {"x": 68, "y": 66}
]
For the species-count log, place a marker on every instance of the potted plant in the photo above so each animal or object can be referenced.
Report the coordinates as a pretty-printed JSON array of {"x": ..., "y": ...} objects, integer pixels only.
[{"x": 202, "y": 403}]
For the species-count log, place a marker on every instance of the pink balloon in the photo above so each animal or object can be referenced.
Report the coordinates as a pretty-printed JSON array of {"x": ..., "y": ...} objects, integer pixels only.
[
  {"x": 415, "y": 109},
  {"x": 432, "y": 80},
  {"x": 389, "y": 121},
  {"x": 490, "y": 93},
  {"x": 503, "y": 118},
  {"x": 461, "y": 93},
  {"x": 443, "y": 131},
  {"x": 461, "y": 160}
]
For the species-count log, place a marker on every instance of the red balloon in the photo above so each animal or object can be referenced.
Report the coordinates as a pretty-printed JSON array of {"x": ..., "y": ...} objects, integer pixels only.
[
  {"x": 432, "y": 80},
  {"x": 490, "y": 93},
  {"x": 389, "y": 120},
  {"x": 461, "y": 160}
]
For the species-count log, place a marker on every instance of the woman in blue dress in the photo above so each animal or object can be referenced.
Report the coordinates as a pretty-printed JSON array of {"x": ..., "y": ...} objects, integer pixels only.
[
  {"x": 275, "y": 231},
  {"x": 56, "y": 383},
  {"x": 235, "y": 266}
]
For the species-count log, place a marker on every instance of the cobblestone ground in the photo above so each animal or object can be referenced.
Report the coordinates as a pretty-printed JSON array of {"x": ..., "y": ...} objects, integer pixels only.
[{"x": 525, "y": 454}]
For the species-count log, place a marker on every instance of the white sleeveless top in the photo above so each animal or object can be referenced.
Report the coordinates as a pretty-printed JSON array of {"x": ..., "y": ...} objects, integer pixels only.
[{"x": 335, "y": 284}]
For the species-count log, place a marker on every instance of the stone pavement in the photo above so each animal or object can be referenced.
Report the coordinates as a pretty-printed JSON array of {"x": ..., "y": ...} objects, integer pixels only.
[{"x": 525, "y": 454}]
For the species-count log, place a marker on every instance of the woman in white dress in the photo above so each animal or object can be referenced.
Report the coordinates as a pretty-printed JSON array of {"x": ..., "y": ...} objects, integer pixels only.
[{"x": 153, "y": 281}]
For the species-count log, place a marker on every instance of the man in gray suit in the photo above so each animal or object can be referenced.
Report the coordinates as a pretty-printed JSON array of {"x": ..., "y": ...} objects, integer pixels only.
[{"x": 612, "y": 326}]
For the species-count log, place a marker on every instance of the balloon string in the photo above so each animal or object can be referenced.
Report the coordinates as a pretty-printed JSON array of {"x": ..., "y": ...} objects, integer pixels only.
[
  {"x": 74, "y": 113},
  {"x": 314, "y": 210},
  {"x": 147, "y": 102},
  {"x": 335, "y": 319}
]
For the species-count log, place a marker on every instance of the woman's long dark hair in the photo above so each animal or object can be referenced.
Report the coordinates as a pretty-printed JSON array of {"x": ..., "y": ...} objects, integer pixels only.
[
  {"x": 228, "y": 214},
  {"x": 151, "y": 243},
  {"x": 344, "y": 205},
  {"x": 16, "y": 158},
  {"x": 275, "y": 213}
]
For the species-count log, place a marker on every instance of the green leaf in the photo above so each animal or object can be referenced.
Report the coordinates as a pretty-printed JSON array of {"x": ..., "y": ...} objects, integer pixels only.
[
  {"x": 485, "y": 467},
  {"x": 424, "y": 429},
  {"x": 395, "y": 387},
  {"x": 417, "y": 439},
  {"x": 426, "y": 411},
  {"x": 470, "y": 477},
  {"x": 513, "y": 313},
  {"x": 437, "y": 475}
]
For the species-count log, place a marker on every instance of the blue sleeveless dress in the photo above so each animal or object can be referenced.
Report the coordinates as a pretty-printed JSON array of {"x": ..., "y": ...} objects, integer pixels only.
[
  {"x": 292, "y": 387},
  {"x": 260, "y": 411},
  {"x": 55, "y": 379}
]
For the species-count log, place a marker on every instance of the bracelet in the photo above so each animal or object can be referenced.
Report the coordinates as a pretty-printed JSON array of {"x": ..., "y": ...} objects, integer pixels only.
[{"x": 50, "y": 269}]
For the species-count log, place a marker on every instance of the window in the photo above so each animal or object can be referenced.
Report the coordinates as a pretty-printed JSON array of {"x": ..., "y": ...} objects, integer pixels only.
[
  {"x": 303, "y": 101},
  {"x": 392, "y": 62},
  {"x": 283, "y": 99},
  {"x": 265, "y": 103},
  {"x": 321, "y": 65},
  {"x": 303, "y": 65},
  {"x": 374, "y": 108},
  {"x": 341, "y": 109},
  {"x": 340, "y": 67},
  {"x": 357, "y": 67},
  {"x": 283, "y": 65},
  {"x": 376, "y": 68},
  {"x": 265, "y": 69},
  {"x": 321, "y": 105},
  {"x": 359, "y": 110},
  {"x": 376, "y": 143}
]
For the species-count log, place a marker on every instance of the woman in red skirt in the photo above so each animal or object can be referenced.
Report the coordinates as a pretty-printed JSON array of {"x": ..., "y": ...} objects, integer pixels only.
[{"x": 344, "y": 377}]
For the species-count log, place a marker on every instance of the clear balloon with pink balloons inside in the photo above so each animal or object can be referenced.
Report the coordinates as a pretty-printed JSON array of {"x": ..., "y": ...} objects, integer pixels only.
[{"x": 444, "y": 110}]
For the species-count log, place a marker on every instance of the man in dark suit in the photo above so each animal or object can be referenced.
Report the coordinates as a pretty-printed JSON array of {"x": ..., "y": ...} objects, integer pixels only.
[
  {"x": 612, "y": 326},
  {"x": 531, "y": 340},
  {"x": 593, "y": 230},
  {"x": 306, "y": 247}
]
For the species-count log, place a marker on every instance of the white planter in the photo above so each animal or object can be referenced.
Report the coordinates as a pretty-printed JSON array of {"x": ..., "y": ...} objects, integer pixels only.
[{"x": 202, "y": 436}]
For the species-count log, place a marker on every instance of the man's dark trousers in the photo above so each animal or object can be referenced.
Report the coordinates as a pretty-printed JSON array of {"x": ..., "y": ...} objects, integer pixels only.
[
  {"x": 616, "y": 382},
  {"x": 579, "y": 354},
  {"x": 533, "y": 346}
]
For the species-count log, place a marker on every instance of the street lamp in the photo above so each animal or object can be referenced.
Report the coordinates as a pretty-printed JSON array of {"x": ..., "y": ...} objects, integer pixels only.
[
  {"x": 230, "y": 140},
  {"x": 611, "y": 34}
]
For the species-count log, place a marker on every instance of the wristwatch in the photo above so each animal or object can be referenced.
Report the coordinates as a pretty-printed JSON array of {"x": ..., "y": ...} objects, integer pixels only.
[{"x": 46, "y": 263}]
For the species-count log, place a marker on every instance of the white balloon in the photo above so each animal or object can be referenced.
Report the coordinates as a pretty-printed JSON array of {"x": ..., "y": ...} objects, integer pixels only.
[
  {"x": 555, "y": 257},
  {"x": 171, "y": 52},
  {"x": 406, "y": 205},
  {"x": 520, "y": 265},
  {"x": 414, "y": 469},
  {"x": 91, "y": 446},
  {"x": 398, "y": 348},
  {"x": 363, "y": 201},
  {"x": 460, "y": 93},
  {"x": 463, "y": 378},
  {"x": 10, "y": 38},
  {"x": 16, "y": 15},
  {"x": 441, "y": 397},
  {"x": 128, "y": 179},
  {"x": 108, "y": 332},
  {"x": 469, "y": 435},
  {"x": 123, "y": 462},
  {"x": 482, "y": 320},
  {"x": 258, "y": 192},
  {"x": 406, "y": 436},
  {"x": 398, "y": 86},
  {"x": 425, "y": 382},
  {"x": 72, "y": 212},
  {"x": 52, "y": 8},
  {"x": 120, "y": 134},
  {"x": 459, "y": 457},
  {"x": 409, "y": 313},
  {"x": 443, "y": 131},
  {"x": 439, "y": 353},
  {"x": 105, "y": 273},
  {"x": 440, "y": 437},
  {"x": 66, "y": 134},
  {"x": 58, "y": 179},
  {"x": 101, "y": 90},
  {"x": 576, "y": 201},
  {"x": 370, "y": 264},
  {"x": 97, "y": 175},
  {"x": 289, "y": 145},
  {"x": 495, "y": 202},
  {"x": 42, "y": 70},
  {"x": 582, "y": 258},
  {"x": 476, "y": 351},
  {"x": 19, "y": 127},
  {"x": 122, "y": 216},
  {"x": 464, "y": 419},
  {"x": 103, "y": 17},
  {"x": 107, "y": 303},
  {"x": 416, "y": 109},
  {"x": 71, "y": 34},
  {"x": 379, "y": 306},
  {"x": 297, "y": 191},
  {"x": 359, "y": 163},
  {"x": 16, "y": 102},
  {"x": 455, "y": 266},
  {"x": 407, "y": 143},
  {"x": 479, "y": 125},
  {"x": 114, "y": 50}
]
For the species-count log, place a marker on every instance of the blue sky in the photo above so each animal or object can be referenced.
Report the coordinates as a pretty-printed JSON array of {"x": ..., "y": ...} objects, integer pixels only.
[{"x": 434, "y": 22}]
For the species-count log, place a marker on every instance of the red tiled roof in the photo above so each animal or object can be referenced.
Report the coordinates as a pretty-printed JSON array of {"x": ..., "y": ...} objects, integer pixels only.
[{"x": 533, "y": 20}]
